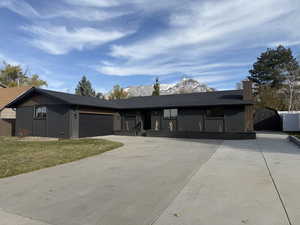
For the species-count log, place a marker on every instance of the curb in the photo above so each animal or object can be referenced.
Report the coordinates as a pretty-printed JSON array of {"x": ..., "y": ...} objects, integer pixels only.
[{"x": 295, "y": 140}]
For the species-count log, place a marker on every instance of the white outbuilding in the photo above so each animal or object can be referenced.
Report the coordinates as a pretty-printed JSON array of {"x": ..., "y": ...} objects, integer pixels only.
[{"x": 290, "y": 120}]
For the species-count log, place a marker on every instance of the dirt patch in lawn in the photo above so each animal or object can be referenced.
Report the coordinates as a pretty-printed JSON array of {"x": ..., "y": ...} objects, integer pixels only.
[{"x": 18, "y": 157}]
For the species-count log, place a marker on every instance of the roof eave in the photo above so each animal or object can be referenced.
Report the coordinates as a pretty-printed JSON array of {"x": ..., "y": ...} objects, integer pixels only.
[
  {"x": 187, "y": 106},
  {"x": 22, "y": 95},
  {"x": 102, "y": 107}
]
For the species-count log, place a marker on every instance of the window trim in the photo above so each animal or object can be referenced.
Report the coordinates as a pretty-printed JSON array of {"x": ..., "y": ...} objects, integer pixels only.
[
  {"x": 45, "y": 114},
  {"x": 169, "y": 116}
]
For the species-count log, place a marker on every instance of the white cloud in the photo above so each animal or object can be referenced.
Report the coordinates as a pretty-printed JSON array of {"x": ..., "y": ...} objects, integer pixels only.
[
  {"x": 199, "y": 37},
  {"x": 86, "y": 14},
  {"x": 207, "y": 24},
  {"x": 199, "y": 34},
  {"x": 285, "y": 43},
  {"x": 145, "y": 5},
  {"x": 20, "y": 7},
  {"x": 161, "y": 67},
  {"x": 60, "y": 40},
  {"x": 80, "y": 12},
  {"x": 214, "y": 78},
  {"x": 94, "y": 3}
]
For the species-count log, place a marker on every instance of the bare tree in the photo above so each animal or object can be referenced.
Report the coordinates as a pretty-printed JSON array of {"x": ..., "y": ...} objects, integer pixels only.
[{"x": 292, "y": 85}]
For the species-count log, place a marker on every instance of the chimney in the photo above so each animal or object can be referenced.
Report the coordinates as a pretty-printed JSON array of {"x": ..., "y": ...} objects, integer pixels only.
[
  {"x": 247, "y": 90},
  {"x": 249, "y": 110}
]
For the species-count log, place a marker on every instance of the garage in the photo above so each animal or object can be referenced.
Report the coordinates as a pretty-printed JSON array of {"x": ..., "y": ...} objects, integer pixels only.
[
  {"x": 267, "y": 119},
  {"x": 91, "y": 125}
]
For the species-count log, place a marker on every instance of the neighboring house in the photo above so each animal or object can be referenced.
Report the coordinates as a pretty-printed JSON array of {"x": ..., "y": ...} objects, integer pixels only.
[
  {"x": 220, "y": 114},
  {"x": 8, "y": 115}
]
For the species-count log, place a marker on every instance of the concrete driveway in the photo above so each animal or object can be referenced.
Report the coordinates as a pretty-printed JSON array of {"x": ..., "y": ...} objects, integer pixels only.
[
  {"x": 253, "y": 182},
  {"x": 163, "y": 182},
  {"x": 128, "y": 186}
]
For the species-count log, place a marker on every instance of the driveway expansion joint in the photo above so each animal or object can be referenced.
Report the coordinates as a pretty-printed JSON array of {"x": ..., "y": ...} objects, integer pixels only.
[
  {"x": 274, "y": 184},
  {"x": 183, "y": 186}
]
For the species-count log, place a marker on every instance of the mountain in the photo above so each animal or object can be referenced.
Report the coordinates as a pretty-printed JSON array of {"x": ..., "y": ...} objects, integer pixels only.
[{"x": 186, "y": 85}]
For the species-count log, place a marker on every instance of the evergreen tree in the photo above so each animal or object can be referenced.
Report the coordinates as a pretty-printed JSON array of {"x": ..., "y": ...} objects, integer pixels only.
[
  {"x": 84, "y": 88},
  {"x": 276, "y": 76},
  {"x": 156, "y": 88},
  {"x": 273, "y": 67}
]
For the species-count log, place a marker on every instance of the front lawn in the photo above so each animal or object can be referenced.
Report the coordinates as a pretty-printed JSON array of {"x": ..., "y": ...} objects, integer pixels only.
[{"x": 18, "y": 156}]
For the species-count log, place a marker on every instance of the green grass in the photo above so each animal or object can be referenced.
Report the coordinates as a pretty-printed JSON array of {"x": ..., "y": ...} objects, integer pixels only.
[{"x": 18, "y": 156}]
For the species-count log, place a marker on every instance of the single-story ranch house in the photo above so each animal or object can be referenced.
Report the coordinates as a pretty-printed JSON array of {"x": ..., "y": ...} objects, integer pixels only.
[{"x": 219, "y": 114}]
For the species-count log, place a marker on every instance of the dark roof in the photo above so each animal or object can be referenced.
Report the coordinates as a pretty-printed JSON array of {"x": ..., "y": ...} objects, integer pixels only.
[
  {"x": 66, "y": 98},
  {"x": 77, "y": 99},
  {"x": 220, "y": 98}
]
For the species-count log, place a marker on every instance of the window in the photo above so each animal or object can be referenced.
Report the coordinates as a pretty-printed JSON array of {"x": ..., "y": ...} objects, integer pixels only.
[
  {"x": 167, "y": 113},
  {"x": 215, "y": 112},
  {"x": 170, "y": 113},
  {"x": 40, "y": 112},
  {"x": 174, "y": 113}
]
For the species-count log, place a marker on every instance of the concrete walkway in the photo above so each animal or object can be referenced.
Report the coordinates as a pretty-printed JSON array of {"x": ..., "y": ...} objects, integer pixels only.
[
  {"x": 245, "y": 182},
  {"x": 163, "y": 182}
]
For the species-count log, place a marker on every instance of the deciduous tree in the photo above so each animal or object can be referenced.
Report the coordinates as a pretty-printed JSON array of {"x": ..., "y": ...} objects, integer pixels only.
[
  {"x": 14, "y": 76},
  {"x": 118, "y": 93},
  {"x": 291, "y": 87},
  {"x": 271, "y": 98}
]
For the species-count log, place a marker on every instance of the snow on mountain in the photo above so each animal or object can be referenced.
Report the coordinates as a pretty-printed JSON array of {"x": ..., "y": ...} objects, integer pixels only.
[{"x": 184, "y": 86}]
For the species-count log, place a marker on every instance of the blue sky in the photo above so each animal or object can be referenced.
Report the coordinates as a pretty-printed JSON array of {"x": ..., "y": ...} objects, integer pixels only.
[{"x": 130, "y": 42}]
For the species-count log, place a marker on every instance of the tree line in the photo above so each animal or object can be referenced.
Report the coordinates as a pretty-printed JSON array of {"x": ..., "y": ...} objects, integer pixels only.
[{"x": 84, "y": 88}]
